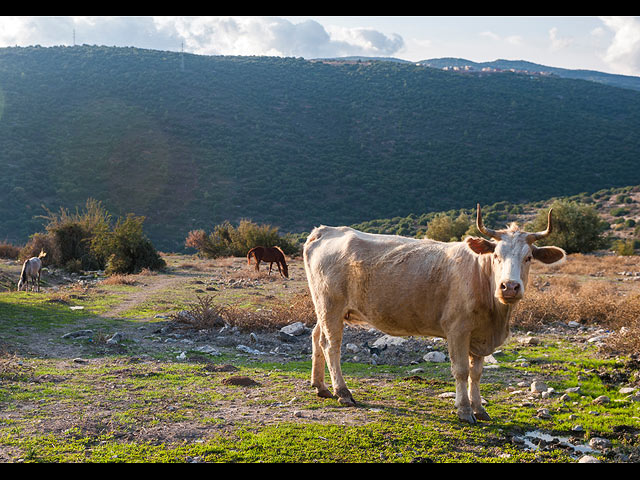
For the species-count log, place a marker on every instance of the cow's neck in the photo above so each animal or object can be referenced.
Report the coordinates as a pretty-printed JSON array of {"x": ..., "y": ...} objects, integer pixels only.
[{"x": 499, "y": 312}]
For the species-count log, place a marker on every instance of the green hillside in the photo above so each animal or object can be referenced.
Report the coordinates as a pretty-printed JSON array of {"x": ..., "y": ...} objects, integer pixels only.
[{"x": 192, "y": 141}]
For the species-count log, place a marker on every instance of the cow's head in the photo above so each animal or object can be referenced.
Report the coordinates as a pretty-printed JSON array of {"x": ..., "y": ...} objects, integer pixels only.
[{"x": 512, "y": 253}]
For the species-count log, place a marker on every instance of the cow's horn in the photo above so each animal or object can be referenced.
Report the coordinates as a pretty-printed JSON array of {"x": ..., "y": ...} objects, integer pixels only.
[
  {"x": 487, "y": 231},
  {"x": 538, "y": 235}
]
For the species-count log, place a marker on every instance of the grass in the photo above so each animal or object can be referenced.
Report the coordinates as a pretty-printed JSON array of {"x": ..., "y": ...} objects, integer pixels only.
[{"x": 121, "y": 406}]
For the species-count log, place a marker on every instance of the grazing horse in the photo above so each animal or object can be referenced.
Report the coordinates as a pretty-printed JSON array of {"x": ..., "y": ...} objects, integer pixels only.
[
  {"x": 271, "y": 255},
  {"x": 31, "y": 269}
]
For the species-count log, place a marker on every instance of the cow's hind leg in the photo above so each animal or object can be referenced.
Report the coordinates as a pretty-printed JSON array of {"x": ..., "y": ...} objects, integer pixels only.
[
  {"x": 331, "y": 350},
  {"x": 327, "y": 339},
  {"x": 318, "y": 363},
  {"x": 475, "y": 372}
]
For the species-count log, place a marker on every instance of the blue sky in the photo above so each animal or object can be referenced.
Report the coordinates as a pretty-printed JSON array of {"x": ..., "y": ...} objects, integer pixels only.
[{"x": 607, "y": 44}]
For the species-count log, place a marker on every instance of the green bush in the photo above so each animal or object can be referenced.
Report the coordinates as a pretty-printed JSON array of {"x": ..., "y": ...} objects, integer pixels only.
[
  {"x": 229, "y": 241},
  {"x": 86, "y": 240},
  {"x": 126, "y": 249},
  {"x": 445, "y": 228},
  {"x": 624, "y": 247},
  {"x": 577, "y": 228}
]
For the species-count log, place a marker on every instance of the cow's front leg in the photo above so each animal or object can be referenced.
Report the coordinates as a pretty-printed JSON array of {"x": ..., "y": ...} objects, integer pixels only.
[
  {"x": 459, "y": 354},
  {"x": 475, "y": 372}
]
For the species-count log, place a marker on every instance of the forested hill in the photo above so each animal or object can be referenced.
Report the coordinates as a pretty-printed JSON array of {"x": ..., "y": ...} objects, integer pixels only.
[{"x": 190, "y": 141}]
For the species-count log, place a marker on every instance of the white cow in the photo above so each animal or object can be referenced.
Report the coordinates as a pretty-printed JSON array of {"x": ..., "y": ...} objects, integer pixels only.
[{"x": 462, "y": 291}]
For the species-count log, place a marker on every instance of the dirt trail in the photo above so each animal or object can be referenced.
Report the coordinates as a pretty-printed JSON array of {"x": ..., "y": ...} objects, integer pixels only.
[{"x": 152, "y": 285}]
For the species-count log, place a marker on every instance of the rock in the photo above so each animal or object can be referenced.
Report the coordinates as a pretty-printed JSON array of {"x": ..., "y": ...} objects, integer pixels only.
[
  {"x": 538, "y": 387},
  {"x": 600, "y": 443},
  {"x": 601, "y": 400},
  {"x": 447, "y": 395},
  {"x": 115, "y": 339},
  {"x": 588, "y": 459},
  {"x": 287, "y": 337},
  {"x": 79, "y": 334},
  {"x": 388, "y": 341},
  {"x": 490, "y": 360},
  {"x": 295, "y": 329},
  {"x": 530, "y": 341},
  {"x": 208, "y": 349},
  {"x": 352, "y": 348},
  {"x": 244, "y": 348},
  {"x": 435, "y": 356},
  {"x": 543, "y": 413}
]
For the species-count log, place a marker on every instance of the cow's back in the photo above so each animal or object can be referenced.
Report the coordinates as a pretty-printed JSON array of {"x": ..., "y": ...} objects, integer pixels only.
[{"x": 399, "y": 285}]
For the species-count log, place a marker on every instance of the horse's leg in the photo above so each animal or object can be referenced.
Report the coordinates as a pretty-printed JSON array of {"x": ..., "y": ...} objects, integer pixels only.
[
  {"x": 39, "y": 280},
  {"x": 279, "y": 269},
  {"x": 270, "y": 266}
]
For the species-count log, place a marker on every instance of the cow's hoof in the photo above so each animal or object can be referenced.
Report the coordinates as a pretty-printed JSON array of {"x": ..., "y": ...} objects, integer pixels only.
[
  {"x": 347, "y": 401},
  {"x": 482, "y": 415},
  {"x": 345, "y": 397},
  {"x": 467, "y": 416},
  {"x": 324, "y": 393}
]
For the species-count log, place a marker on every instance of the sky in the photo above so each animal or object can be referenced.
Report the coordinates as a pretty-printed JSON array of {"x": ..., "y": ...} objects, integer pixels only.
[{"x": 607, "y": 44}]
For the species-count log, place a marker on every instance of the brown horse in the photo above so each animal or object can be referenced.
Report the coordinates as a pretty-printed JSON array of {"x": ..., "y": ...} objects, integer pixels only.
[{"x": 271, "y": 255}]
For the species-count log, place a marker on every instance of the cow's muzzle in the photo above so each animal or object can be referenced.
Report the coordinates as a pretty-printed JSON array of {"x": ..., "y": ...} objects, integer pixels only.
[{"x": 510, "y": 291}]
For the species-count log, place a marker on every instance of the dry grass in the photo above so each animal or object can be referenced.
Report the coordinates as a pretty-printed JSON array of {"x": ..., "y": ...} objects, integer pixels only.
[
  {"x": 205, "y": 313},
  {"x": 587, "y": 290},
  {"x": 119, "y": 279}
]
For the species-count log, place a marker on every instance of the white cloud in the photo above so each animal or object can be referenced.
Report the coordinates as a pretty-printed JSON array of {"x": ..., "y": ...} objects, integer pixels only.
[
  {"x": 202, "y": 35},
  {"x": 515, "y": 40},
  {"x": 624, "y": 52},
  {"x": 558, "y": 42}
]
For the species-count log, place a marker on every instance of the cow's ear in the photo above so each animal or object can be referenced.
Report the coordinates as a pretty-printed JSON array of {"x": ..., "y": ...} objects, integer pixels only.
[
  {"x": 480, "y": 245},
  {"x": 548, "y": 254}
]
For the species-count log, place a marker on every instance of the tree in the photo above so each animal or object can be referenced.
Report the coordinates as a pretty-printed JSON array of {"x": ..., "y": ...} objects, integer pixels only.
[
  {"x": 445, "y": 228},
  {"x": 577, "y": 228}
]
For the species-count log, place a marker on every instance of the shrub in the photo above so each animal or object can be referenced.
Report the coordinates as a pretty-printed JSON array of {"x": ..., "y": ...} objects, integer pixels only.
[
  {"x": 86, "y": 240},
  {"x": 229, "y": 241},
  {"x": 9, "y": 251},
  {"x": 445, "y": 228},
  {"x": 126, "y": 249},
  {"x": 577, "y": 228},
  {"x": 67, "y": 237}
]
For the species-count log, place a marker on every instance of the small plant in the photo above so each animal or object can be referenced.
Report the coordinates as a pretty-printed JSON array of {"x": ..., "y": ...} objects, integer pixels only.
[{"x": 203, "y": 314}]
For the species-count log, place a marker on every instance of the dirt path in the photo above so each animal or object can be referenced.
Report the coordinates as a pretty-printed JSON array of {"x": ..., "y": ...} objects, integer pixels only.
[{"x": 152, "y": 285}]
